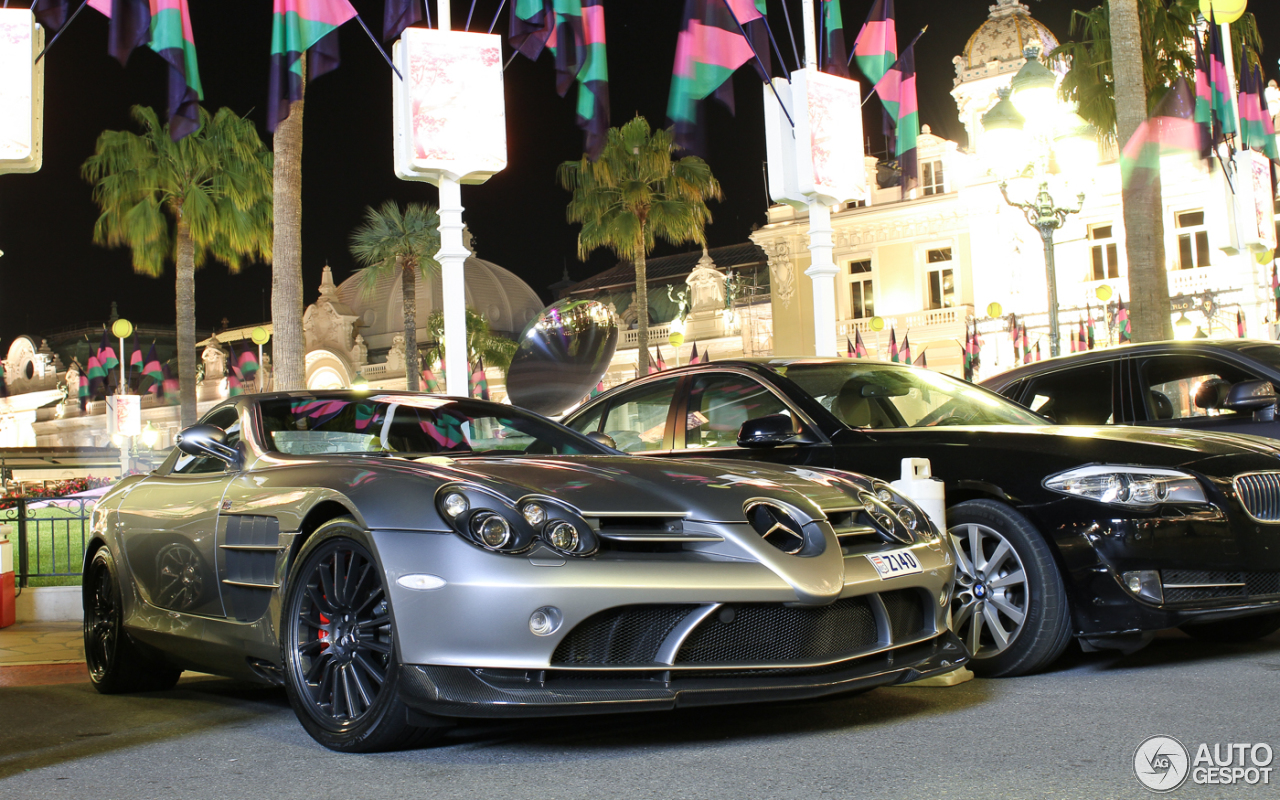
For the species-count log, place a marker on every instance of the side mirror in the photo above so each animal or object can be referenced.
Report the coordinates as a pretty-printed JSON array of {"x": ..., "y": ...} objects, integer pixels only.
[
  {"x": 208, "y": 441},
  {"x": 1258, "y": 397},
  {"x": 1212, "y": 393},
  {"x": 602, "y": 438},
  {"x": 769, "y": 431}
]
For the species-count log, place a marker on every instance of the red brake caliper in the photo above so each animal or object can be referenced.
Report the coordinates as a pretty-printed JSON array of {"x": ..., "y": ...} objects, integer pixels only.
[{"x": 323, "y": 634}]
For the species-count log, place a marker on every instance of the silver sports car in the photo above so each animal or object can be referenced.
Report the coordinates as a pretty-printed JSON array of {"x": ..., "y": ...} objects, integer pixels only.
[{"x": 398, "y": 561}]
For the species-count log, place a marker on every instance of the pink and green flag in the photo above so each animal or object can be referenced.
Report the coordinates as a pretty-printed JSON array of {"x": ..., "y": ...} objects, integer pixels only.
[
  {"x": 429, "y": 380},
  {"x": 897, "y": 90},
  {"x": 905, "y": 351},
  {"x": 130, "y": 25},
  {"x": 1171, "y": 130},
  {"x": 1122, "y": 322},
  {"x": 876, "y": 47},
  {"x": 710, "y": 47},
  {"x": 398, "y": 15},
  {"x": 83, "y": 392},
  {"x": 172, "y": 39},
  {"x": 1219, "y": 85},
  {"x": 297, "y": 27},
  {"x": 1204, "y": 97},
  {"x": 170, "y": 388},
  {"x": 1257, "y": 132},
  {"x": 478, "y": 385},
  {"x": 151, "y": 369},
  {"x": 893, "y": 345}
]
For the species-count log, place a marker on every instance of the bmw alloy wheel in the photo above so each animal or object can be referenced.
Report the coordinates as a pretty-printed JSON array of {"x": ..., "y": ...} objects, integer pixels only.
[{"x": 989, "y": 604}]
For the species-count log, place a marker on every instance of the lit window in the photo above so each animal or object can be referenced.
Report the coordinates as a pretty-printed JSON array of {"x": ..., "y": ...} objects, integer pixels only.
[
  {"x": 942, "y": 284},
  {"x": 1193, "y": 240},
  {"x": 862, "y": 302},
  {"x": 931, "y": 177},
  {"x": 1106, "y": 258}
]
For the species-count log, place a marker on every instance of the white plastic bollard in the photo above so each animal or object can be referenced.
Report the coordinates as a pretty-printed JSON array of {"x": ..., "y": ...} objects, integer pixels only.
[{"x": 918, "y": 483}]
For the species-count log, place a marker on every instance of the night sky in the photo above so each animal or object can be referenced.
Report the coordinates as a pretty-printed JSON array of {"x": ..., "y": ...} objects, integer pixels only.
[{"x": 52, "y": 276}]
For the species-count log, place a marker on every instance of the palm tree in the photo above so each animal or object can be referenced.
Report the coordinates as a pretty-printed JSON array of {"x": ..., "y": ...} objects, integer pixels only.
[
  {"x": 288, "y": 370},
  {"x": 634, "y": 193},
  {"x": 389, "y": 242},
  {"x": 1128, "y": 54},
  {"x": 482, "y": 342},
  {"x": 206, "y": 196}
]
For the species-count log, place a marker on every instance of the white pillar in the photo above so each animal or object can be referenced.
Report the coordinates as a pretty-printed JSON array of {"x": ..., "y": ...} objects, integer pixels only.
[
  {"x": 822, "y": 270},
  {"x": 453, "y": 286},
  {"x": 452, "y": 277}
]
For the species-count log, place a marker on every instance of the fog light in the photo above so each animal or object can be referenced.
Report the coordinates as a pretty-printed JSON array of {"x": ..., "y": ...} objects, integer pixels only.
[
  {"x": 493, "y": 531},
  {"x": 534, "y": 514},
  {"x": 545, "y": 621},
  {"x": 563, "y": 536},
  {"x": 455, "y": 504},
  {"x": 1145, "y": 584}
]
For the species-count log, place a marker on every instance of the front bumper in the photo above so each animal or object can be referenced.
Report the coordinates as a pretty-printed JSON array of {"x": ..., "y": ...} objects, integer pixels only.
[{"x": 461, "y": 692}]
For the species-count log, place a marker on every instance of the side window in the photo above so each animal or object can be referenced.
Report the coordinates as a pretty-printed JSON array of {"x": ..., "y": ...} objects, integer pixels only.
[
  {"x": 229, "y": 420},
  {"x": 1173, "y": 382},
  {"x": 638, "y": 421},
  {"x": 589, "y": 421},
  {"x": 719, "y": 404},
  {"x": 1073, "y": 396}
]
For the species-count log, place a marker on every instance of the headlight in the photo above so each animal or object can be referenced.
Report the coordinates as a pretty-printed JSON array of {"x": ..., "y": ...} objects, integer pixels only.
[
  {"x": 1128, "y": 486},
  {"x": 563, "y": 536},
  {"x": 492, "y": 529},
  {"x": 455, "y": 504},
  {"x": 905, "y": 509},
  {"x": 534, "y": 514}
]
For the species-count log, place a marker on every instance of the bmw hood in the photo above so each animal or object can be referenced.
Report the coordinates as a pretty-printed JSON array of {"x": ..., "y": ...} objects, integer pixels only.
[{"x": 706, "y": 490}]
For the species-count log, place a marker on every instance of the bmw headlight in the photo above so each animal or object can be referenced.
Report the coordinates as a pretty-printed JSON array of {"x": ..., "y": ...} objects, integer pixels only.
[{"x": 1140, "y": 487}]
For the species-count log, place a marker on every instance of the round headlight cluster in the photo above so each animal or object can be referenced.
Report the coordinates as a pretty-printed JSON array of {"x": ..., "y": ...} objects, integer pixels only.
[
  {"x": 455, "y": 504},
  {"x": 563, "y": 536},
  {"x": 534, "y": 514}
]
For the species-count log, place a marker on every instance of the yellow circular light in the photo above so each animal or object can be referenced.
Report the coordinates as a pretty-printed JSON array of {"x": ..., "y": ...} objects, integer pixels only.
[
  {"x": 260, "y": 336},
  {"x": 676, "y": 338},
  {"x": 995, "y": 310},
  {"x": 877, "y": 323},
  {"x": 121, "y": 328},
  {"x": 1224, "y": 11},
  {"x": 1265, "y": 258},
  {"x": 1103, "y": 292}
]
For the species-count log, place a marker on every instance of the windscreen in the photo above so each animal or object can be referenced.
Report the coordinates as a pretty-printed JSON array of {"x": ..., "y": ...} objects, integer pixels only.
[
  {"x": 867, "y": 395},
  {"x": 412, "y": 426}
]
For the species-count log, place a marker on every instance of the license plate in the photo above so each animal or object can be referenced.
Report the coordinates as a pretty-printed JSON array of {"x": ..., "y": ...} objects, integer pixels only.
[{"x": 898, "y": 562}]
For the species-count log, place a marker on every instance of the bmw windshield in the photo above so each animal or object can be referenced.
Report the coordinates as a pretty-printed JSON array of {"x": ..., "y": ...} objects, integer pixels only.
[{"x": 870, "y": 395}]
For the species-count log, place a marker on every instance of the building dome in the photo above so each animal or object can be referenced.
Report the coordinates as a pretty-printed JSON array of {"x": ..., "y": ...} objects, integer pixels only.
[
  {"x": 505, "y": 301},
  {"x": 1008, "y": 29}
]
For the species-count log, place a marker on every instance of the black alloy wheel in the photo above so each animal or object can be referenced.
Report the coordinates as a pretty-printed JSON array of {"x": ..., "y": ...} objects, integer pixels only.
[
  {"x": 115, "y": 663},
  {"x": 338, "y": 646}
]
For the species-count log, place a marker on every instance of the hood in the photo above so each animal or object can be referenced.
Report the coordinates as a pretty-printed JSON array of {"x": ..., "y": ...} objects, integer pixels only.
[{"x": 712, "y": 490}]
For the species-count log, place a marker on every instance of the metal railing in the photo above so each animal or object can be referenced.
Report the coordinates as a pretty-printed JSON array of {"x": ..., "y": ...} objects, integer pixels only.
[{"x": 49, "y": 535}]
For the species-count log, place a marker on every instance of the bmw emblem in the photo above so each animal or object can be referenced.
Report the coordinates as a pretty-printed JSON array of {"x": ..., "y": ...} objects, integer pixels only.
[{"x": 979, "y": 591}]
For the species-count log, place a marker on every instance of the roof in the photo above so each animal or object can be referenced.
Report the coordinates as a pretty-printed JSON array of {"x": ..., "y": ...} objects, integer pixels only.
[
  {"x": 667, "y": 268},
  {"x": 1004, "y": 34}
]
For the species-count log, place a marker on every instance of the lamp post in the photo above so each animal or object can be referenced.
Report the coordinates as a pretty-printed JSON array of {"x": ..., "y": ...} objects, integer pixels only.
[{"x": 1027, "y": 133}]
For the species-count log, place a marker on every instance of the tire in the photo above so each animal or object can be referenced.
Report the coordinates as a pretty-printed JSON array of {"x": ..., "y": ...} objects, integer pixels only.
[
  {"x": 1010, "y": 608},
  {"x": 337, "y": 641},
  {"x": 1244, "y": 629},
  {"x": 116, "y": 664}
]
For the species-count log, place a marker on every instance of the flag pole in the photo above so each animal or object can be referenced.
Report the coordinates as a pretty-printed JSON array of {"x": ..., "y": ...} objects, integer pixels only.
[
  {"x": 871, "y": 93},
  {"x": 66, "y": 25},
  {"x": 378, "y": 45},
  {"x": 759, "y": 61}
]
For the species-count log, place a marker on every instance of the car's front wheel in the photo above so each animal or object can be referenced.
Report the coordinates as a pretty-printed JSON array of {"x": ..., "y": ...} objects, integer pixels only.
[
  {"x": 1009, "y": 606},
  {"x": 1243, "y": 629},
  {"x": 338, "y": 646},
  {"x": 116, "y": 664}
]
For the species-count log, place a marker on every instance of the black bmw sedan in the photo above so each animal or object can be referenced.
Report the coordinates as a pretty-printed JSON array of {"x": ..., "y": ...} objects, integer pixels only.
[{"x": 1104, "y": 534}]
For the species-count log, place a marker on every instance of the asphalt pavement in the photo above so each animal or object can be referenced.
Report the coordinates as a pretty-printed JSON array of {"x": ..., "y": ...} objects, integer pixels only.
[{"x": 1069, "y": 733}]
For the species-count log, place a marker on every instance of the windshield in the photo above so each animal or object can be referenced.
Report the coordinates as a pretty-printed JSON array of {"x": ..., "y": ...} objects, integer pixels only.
[
  {"x": 412, "y": 426},
  {"x": 870, "y": 395}
]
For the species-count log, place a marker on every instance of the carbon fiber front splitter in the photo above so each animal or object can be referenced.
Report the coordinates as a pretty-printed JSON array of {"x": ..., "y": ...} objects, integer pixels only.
[{"x": 475, "y": 692}]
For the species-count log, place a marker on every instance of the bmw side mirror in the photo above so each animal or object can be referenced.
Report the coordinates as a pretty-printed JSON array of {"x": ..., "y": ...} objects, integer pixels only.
[
  {"x": 208, "y": 441},
  {"x": 769, "y": 431},
  {"x": 1258, "y": 397}
]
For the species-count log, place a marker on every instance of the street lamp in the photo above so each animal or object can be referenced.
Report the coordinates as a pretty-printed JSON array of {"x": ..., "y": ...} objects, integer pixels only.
[{"x": 1029, "y": 133}]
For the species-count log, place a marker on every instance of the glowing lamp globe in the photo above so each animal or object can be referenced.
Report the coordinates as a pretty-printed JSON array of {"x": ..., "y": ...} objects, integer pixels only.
[
  {"x": 676, "y": 338},
  {"x": 1224, "y": 11},
  {"x": 1265, "y": 257},
  {"x": 995, "y": 310},
  {"x": 877, "y": 323},
  {"x": 1103, "y": 292},
  {"x": 259, "y": 336},
  {"x": 121, "y": 328}
]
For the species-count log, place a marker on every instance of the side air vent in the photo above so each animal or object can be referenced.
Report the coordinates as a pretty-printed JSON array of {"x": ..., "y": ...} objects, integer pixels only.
[{"x": 249, "y": 547}]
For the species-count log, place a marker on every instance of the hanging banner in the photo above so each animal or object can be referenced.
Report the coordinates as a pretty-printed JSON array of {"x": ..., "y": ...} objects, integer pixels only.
[
  {"x": 821, "y": 157},
  {"x": 449, "y": 110},
  {"x": 124, "y": 414},
  {"x": 1253, "y": 202},
  {"x": 21, "y": 91}
]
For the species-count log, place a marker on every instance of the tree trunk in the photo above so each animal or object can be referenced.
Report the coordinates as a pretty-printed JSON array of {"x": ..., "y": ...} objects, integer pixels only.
[
  {"x": 185, "y": 292},
  {"x": 409, "y": 290},
  {"x": 288, "y": 367},
  {"x": 642, "y": 315},
  {"x": 1143, "y": 209}
]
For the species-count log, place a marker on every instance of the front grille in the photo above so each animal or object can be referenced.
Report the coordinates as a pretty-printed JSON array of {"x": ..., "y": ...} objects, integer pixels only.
[
  {"x": 906, "y": 613},
  {"x": 1188, "y": 585},
  {"x": 1259, "y": 493},
  {"x": 620, "y": 636},
  {"x": 769, "y": 633}
]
